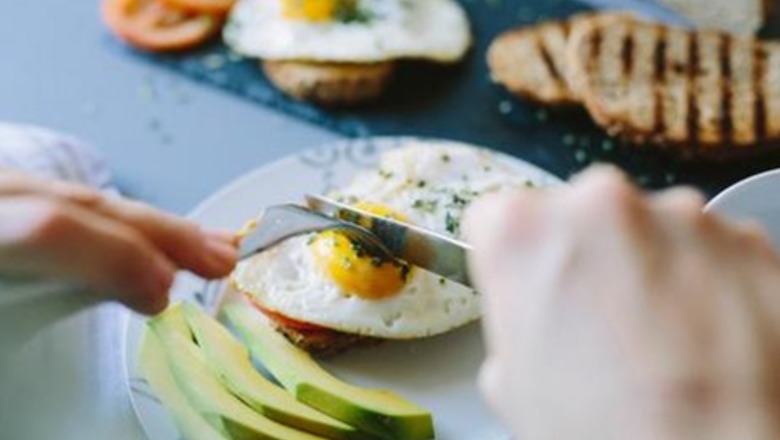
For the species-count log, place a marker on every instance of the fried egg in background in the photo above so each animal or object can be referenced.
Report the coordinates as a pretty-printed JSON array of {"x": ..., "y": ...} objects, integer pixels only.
[
  {"x": 349, "y": 31},
  {"x": 326, "y": 280}
]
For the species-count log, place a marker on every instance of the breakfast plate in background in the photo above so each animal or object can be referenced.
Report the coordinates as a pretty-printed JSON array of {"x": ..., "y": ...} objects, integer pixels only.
[
  {"x": 438, "y": 373},
  {"x": 756, "y": 199}
]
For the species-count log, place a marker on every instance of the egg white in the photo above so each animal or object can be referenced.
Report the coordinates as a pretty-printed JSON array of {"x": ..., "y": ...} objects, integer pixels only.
[
  {"x": 288, "y": 280},
  {"x": 437, "y": 30}
]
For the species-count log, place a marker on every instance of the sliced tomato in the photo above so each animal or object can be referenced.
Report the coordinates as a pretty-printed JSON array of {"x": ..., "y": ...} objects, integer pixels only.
[
  {"x": 153, "y": 25},
  {"x": 284, "y": 320},
  {"x": 207, "y": 6}
]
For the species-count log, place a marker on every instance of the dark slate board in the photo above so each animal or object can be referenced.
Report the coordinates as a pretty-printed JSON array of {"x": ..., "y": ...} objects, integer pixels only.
[{"x": 461, "y": 103}]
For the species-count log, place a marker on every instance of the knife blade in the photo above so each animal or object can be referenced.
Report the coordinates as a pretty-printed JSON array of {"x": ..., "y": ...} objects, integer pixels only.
[{"x": 429, "y": 250}]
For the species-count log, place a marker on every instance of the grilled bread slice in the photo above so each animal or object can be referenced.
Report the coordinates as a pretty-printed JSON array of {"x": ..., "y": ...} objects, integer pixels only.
[
  {"x": 531, "y": 62},
  {"x": 330, "y": 84},
  {"x": 647, "y": 82}
]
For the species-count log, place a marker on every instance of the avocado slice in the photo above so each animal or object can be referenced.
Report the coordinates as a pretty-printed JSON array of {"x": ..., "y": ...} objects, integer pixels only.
[
  {"x": 380, "y": 412},
  {"x": 192, "y": 425},
  {"x": 231, "y": 362},
  {"x": 205, "y": 392}
]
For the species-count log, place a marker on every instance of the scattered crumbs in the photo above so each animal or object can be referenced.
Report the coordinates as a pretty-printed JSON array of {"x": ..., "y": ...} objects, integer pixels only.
[
  {"x": 670, "y": 178},
  {"x": 421, "y": 184},
  {"x": 542, "y": 115},
  {"x": 505, "y": 107},
  {"x": 445, "y": 158},
  {"x": 608, "y": 145},
  {"x": 580, "y": 156},
  {"x": 213, "y": 61},
  {"x": 569, "y": 140},
  {"x": 442, "y": 281}
]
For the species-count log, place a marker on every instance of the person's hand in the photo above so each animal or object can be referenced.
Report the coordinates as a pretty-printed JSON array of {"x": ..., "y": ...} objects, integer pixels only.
[
  {"x": 612, "y": 316},
  {"x": 117, "y": 247}
]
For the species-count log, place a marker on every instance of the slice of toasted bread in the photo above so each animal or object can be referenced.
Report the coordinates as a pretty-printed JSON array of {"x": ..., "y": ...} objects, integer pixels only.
[
  {"x": 330, "y": 84},
  {"x": 649, "y": 82},
  {"x": 531, "y": 62}
]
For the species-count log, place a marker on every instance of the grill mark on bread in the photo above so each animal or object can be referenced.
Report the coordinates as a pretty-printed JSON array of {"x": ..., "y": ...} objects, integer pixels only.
[
  {"x": 594, "y": 53},
  {"x": 660, "y": 80},
  {"x": 759, "y": 85},
  {"x": 566, "y": 28},
  {"x": 530, "y": 62},
  {"x": 693, "y": 103},
  {"x": 627, "y": 52},
  {"x": 726, "y": 121},
  {"x": 549, "y": 63}
]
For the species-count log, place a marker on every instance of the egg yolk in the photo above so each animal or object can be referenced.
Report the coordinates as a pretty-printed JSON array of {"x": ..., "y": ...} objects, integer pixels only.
[
  {"x": 352, "y": 269},
  {"x": 315, "y": 10}
]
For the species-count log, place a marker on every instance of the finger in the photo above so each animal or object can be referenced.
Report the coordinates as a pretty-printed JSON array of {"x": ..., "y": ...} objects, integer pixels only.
[
  {"x": 208, "y": 253},
  {"x": 16, "y": 183},
  {"x": 70, "y": 242},
  {"x": 681, "y": 202}
]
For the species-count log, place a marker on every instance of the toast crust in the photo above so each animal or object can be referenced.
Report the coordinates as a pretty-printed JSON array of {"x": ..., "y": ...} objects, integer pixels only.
[{"x": 330, "y": 84}]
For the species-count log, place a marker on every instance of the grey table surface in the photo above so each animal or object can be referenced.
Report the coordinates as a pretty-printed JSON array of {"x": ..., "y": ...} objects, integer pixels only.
[{"x": 169, "y": 142}]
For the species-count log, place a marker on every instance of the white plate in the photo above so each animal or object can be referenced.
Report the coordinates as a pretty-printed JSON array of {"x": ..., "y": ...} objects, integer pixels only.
[
  {"x": 438, "y": 373},
  {"x": 754, "y": 199}
]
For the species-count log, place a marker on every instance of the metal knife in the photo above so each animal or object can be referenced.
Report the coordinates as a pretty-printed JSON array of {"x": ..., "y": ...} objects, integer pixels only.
[{"x": 431, "y": 251}]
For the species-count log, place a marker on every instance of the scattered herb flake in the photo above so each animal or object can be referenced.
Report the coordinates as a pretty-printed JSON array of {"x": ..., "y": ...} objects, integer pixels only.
[
  {"x": 386, "y": 174},
  {"x": 425, "y": 205},
  {"x": 451, "y": 224}
]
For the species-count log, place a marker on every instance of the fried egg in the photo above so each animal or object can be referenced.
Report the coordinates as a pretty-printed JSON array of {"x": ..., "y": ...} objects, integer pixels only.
[
  {"x": 327, "y": 280},
  {"x": 349, "y": 31}
]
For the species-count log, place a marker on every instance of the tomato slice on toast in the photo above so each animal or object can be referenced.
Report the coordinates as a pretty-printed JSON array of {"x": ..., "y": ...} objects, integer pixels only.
[{"x": 155, "y": 26}]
